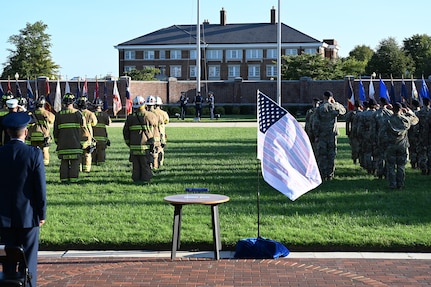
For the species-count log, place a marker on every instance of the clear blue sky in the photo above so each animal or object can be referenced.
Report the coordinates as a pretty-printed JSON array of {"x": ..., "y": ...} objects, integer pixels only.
[{"x": 84, "y": 33}]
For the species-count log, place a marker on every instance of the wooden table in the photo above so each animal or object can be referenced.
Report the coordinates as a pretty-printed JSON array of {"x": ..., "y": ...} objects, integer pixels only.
[{"x": 196, "y": 198}]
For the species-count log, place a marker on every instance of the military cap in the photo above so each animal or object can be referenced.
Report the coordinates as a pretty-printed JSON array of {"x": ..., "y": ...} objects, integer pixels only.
[
  {"x": 17, "y": 120},
  {"x": 12, "y": 103}
]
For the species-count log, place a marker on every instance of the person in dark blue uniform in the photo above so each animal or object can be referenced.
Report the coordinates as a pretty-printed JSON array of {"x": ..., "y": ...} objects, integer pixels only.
[
  {"x": 23, "y": 192},
  {"x": 198, "y": 106}
]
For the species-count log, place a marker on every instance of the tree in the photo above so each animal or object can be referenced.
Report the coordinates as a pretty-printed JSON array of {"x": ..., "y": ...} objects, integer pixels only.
[
  {"x": 361, "y": 53},
  {"x": 389, "y": 60},
  {"x": 147, "y": 74},
  {"x": 314, "y": 66},
  {"x": 418, "y": 47},
  {"x": 31, "y": 57}
]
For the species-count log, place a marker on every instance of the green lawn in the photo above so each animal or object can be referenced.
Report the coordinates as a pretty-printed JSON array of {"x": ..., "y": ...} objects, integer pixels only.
[{"x": 356, "y": 211}]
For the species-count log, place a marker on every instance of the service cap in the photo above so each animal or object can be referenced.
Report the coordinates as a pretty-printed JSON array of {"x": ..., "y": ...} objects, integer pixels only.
[
  {"x": 18, "y": 120},
  {"x": 12, "y": 103}
]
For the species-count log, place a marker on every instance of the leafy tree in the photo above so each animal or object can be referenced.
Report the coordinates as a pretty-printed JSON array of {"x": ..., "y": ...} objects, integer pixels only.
[
  {"x": 147, "y": 74},
  {"x": 351, "y": 66},
  {"x": 418, "y": 47},
  {"x": 31, "y": 57},
  {"x": 361, "y": 53},
  {"x": 389, "y": 60},
  {"x": 314, "y": 66}
]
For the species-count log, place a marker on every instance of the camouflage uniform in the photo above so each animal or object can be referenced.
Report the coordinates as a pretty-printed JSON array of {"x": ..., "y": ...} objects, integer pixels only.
[
  {"x": 367, "y": 132},
  {"x": 309, "y": 118},
  {"x": 422, "y": 144},
  {"x": 351, "y": 133},
  {"x": 325, "y": 125},
  {"x": 394, "y": 136},
  {"x": 381, "y": 117},
  {"x": 413, "y": 137}
]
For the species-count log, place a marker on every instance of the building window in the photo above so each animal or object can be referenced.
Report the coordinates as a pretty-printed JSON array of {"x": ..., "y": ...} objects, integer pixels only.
[
  {"x": 162, "y": 54},
  {"x": 193, "y": 54},
  {"x": 271, "y": 70},
  {"x": 193, "y": 71},
  {"x": 254, "y": 72},
  {"x": 175, "y": 54},
  {"x": 175, "y": 71},
  {"x": 291, "y": 52},
  {"x": 271, "y": 54},
  {"x": 234, "y": 71},
  {"x": 214, "y": 72},
  {"x": 149, "y": 55},
  {"x": 310, "y": 51},
  {"x": 162, "y": 70},
  {"x": 254, "y": 54},
  {"x": 234, "y": 55},
  {"x": 129, "y": 55},
  {"x": 129, "y": 68},
  {"x": 214, "y": 55}
]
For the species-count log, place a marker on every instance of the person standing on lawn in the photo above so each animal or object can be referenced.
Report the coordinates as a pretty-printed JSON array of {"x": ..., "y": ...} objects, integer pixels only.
[
  {"x": 139, "y": 133},
  {"x": 325, "y": 126},
  {"x": 23, "y": 192},
  {"x": 68, "y": 127},
  {"x": 100, "y": 134},
  {"x": 394, "y": 135}
]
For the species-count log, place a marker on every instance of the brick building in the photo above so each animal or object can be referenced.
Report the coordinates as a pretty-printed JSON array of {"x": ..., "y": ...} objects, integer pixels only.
[{"x": 228, "y": 51}]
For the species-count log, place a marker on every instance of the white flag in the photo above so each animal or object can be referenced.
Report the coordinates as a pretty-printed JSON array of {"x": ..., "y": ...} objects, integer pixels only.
[
  {"x": 371, "y": 91},
  {"x": 116, "y": 100},
  {"x": 57, "y": 99}
]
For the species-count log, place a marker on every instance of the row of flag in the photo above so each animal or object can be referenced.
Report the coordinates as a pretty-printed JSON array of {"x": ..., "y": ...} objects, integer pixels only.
[
  {"x": 56, "y": 102},
  {"x": 390, "y": 95}
]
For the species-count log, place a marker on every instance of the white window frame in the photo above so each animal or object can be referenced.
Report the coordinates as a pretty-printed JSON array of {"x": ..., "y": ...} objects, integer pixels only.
[
  {"x": 175, "y": 55},
  {"x": 162, "y": 54},
  {"x": 193, "y": 71},
  {"x": 235, "y": 55},
  {"x": 310, "y": 51},
  {"x": 129, "y": 68},
  {"x": 175, "y": 71},
  {"x": 214, "y": 55},
  {"x": 291, "y": 52},
  {"x": 271, "y": 71},
  {"x": 129, "y": 55},
  {"x": 254, "y": 72},
  {"x": 234, "y": 71},
  {"x": 254, "y": 54},
  {"x": 214, "y": 72},
  {"x": 272, "y": 54},
  {"x": 149, "y": 55}
]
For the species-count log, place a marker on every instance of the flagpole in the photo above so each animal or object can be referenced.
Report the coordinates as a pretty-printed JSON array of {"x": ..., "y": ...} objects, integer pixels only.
[
  {"x": 279, "y": 56},
  {"x": 258, "y": 201},
  {"x": 198, "y": 52}
]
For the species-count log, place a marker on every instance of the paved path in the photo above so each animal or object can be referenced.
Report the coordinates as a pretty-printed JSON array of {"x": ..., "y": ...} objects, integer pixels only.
[{"x": 127, "y": 268}]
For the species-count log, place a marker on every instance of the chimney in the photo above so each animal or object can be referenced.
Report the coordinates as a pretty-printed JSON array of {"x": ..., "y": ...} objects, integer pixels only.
[
  {"x": 222, "y": 17},
  {"x": 273, "y": 15}
]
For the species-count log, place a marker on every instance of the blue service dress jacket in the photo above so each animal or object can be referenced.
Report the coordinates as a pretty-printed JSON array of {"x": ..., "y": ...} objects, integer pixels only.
[{"x": 23, "y": 186}]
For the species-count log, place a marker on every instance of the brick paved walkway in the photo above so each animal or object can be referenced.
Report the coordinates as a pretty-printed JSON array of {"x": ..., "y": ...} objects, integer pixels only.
[{"x": 194, "y": 272}]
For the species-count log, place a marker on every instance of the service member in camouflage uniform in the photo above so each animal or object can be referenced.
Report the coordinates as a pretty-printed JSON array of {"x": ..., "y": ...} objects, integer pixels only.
[
  {"x": 139, "y": 132},
  {"x": 367, "y": 132},
  {"x": 394, "y": 136},
  {"x": 100, "y": 133},
  {"x": 413, "y": 136},
  {"x": 351, "y": 132},
  {"x": 325, "y": 125},
  {"x": 423, "y": 144},
  {"x": 381, "y": 116},
  {"x": 309, "y": 118},
  {"x": 68, "y": 126}
]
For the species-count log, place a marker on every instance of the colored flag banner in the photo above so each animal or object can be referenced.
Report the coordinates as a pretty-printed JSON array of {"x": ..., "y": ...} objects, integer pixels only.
[
  {"x": 30, "y": 94},
  {"x": 57, "y": 98},
  {"x": 67, "y": 88},
  {"x": 362, "y": 96},
  {"x": 415, "y": 95},
  {"x": 392, "y": 92},
  {"x": 424, "y": 90},
  {"x": 18, "y": 90},
  {"x": 404, "y": 93},
  {"x": 351, "y": 98},
  {"x": 128, "y": 100},
  {"x": 383, "y": 91},
  {"x": 287, "y": 159},
  {"x": 1, "y": 91},
  {"x": 96, "y": 91},
  {"x": 85, "y": 89},
  {"x": 116, "y": 100},
  {"x": 371, "y": 90}
]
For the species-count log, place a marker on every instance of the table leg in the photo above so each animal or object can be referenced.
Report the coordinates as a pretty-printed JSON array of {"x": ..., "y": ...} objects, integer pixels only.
[
  {"x": 216, "y": 231},
  {"x": 176, "y": 230}
]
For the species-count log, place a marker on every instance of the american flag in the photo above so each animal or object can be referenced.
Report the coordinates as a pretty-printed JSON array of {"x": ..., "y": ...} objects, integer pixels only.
[{"x": 287, "y": 158}]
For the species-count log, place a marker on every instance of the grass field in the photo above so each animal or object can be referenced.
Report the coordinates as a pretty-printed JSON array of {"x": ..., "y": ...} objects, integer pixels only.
[{"x": 354, "y": 212}]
